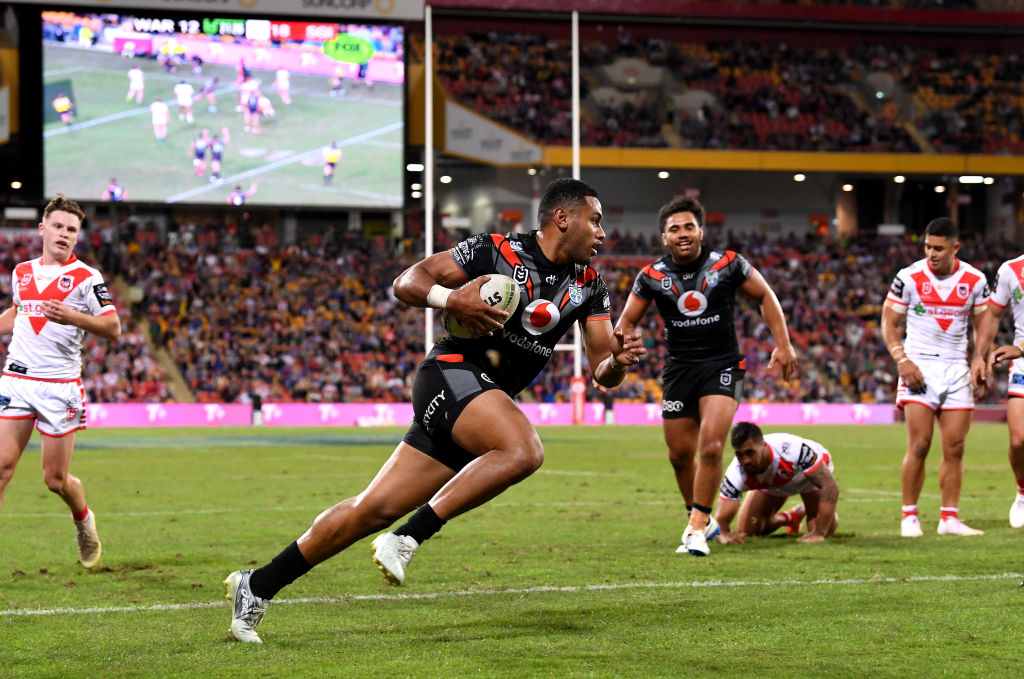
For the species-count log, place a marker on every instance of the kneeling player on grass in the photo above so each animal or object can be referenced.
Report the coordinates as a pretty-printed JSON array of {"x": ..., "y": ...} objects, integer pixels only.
[
  {"x": 775, "y": 467},
  {"x": 468, "y": 441}
]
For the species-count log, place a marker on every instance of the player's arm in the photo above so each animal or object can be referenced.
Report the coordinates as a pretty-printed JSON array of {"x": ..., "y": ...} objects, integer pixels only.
[
  {"x": 610, "y": 352},
  {"x": 1007, "y": 352},
  {"x": 107, "y": 325},
  {"x": 724, "y": 514},
  {"x": 986, "y": 325},
  {"x": 430, "y": 282},
  {"x": 7, "y": 320},
  {"x": 822, "y": 477},
  {"x": 891, "y": 335},
  {"x": 757, "y": 288}
]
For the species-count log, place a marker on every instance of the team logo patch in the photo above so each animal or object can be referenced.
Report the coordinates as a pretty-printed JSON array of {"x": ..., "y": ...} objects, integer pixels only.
[
  {"x": 666, "y": 283},
  {"x": 725, "y": 378},
  {"x": 1017, "y": 378},
  {"x": 671, "y": 406},
  {"x": 26, "y": 279},
  {"x": 711, "y": 278},
  {"x": 539, "y": 316},
  {"x": 926, "y": 288},
  {"x": 4, "y": 401},
  {"x": 692, "y": 303},
  {"x": 520, "y": 274},
  {"x": 515, "y": 245},
  {"x": 575, "y": 294},
  {"x": 65, "y": 283},
  {"x": 962, "y": 289}
]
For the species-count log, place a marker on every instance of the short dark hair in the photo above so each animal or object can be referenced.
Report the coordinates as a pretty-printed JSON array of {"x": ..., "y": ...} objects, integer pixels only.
[
  {"x": 681, "y": 204},
  {"x": 943, "y": 226},
  {"x": 565, "y": 193},
  {"x": 743, "y": 431},
  {"x": 64, "y": 205}
]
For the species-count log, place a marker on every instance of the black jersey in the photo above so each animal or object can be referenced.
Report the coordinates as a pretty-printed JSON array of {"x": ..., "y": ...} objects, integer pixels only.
[
  {"x": 552, "y": 298},
  {"x": 696, "y": 302}
]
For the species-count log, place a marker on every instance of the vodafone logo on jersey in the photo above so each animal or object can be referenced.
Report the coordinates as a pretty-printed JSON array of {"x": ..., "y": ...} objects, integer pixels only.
[
  {"x": 693, "y": 303},
  {"x": 539, "y": 316}
]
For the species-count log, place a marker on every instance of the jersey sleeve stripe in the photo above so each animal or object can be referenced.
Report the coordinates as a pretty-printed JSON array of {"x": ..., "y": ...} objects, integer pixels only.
[
  {"x": 895, "y": 300},
  {"x": 821, "y": 458},
  {"x": 600, "y": 317}
]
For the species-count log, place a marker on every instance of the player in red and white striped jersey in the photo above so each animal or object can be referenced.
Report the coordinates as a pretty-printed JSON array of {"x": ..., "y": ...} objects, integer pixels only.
[
  {"x": 938, "y": 295},
  {"x": 1009, "y": 293},
  {"x": 57, "y": 299}
]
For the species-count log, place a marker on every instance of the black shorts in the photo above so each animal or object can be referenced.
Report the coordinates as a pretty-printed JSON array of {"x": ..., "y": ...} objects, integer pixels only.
[
  {"x": 686, "y": 383},
  {"x": 444, "y": 386}
]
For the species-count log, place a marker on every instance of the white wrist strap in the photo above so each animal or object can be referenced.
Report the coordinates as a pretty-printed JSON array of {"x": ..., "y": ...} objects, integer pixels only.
[{"x": 437, "y": 297}]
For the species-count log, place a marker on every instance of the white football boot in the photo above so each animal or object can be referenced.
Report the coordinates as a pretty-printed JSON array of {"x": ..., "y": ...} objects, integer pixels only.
[
  {"x": 910, "y": 527},
  {"x": 392, "y": 554},
  {"x": 954, "y": 526},
  {"x": 1017, "y": 512},
  {"x": 247, "y": 608},
  {"x": 89, "y": 547},
  {"x": 711, "y": 530}
]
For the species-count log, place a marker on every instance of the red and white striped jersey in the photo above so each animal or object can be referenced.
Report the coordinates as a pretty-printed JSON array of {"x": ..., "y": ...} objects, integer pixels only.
[
  {"x": 1009, "y": 292},
  {"x": 793, "y": 458},
  {"x": 938, "y": 309},
  {"x": 43, "y": 349}
]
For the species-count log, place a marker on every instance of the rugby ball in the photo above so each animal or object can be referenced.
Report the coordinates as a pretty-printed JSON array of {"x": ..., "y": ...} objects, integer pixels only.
[{"x": 500, "y": 292}]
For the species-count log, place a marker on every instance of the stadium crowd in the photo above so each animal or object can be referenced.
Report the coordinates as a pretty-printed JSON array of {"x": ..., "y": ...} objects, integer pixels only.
[
  {"x": 769, "y": 95},
  {"x": 245, "y": 319}
]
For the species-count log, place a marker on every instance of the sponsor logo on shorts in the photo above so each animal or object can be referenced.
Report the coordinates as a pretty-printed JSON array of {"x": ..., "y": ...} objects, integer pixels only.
[
  {"x": 4, "y": 401},
  {"x": 485, "y": 378},
  {"x": 725, "y": 378},
  {"x": 672, "y": 406},
  {"x": 432, "y": 408},
  {"x": 17, "y": 369},
  {"x": 1017, "y": 378}
]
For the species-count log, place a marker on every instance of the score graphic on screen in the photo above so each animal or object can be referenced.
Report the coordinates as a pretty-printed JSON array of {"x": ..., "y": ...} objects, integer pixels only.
[{"x": 186, "y": 108}]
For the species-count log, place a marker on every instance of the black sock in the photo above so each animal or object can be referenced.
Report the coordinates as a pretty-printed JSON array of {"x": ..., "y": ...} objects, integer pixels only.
[
  {"x": 689, "y": 508},
  {"x": 421, "y": 525},
  {"x": 283, "y": 570},
  {"x": 702, "y": 508}
]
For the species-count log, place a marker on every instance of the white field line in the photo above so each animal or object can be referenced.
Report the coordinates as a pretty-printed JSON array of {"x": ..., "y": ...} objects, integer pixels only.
[
  {"x": 524, "y": 590},
  {"x": 241, "y": 510}
]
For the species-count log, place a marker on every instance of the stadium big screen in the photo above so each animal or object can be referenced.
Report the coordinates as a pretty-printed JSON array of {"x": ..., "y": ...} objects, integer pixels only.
[{"x": 186, "y": 108}]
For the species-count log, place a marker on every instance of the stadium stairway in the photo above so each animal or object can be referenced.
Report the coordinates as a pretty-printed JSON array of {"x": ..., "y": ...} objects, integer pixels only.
[{"x": 172, "y": 375}]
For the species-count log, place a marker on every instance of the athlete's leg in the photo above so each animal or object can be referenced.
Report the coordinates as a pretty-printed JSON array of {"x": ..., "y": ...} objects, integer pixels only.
[
  {"x": 681, "y": 436},
  {"x": 14, "y": 436},
  {"x": 1015, "y": 420},
  {"x": 953, "y": 427},
  {"x": 508, "y": 449},
  {"x": 56, "y": 454},
  {"x": 811, "y": 502},
  {"x": 920, "y": 423},
  {"x": 407, "y": 480},
  {"x": 758, "y": 513},
  {"x": 716, "y": 413}
]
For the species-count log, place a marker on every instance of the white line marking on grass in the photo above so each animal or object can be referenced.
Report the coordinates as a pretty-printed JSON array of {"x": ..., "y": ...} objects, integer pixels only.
[
  {"x": 709, "y": 584},
  {"x": 234, "y": 179}
]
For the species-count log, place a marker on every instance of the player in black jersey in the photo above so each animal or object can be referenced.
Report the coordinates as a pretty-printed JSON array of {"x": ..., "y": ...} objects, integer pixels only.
[
  {"x": 468, "y": 441},
  {"x": 694, "y": 290}
]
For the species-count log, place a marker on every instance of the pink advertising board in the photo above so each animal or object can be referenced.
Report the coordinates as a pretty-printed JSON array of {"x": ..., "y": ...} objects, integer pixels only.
[
  {"x": 168, "y": 415},
  {"x": 774, "y": 413},
  {"x": 400, "y": 414}
]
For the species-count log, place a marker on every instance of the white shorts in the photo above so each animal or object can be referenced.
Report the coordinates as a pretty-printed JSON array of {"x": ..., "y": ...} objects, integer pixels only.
[
  {"x": 1015, "y": 386},
  {"x": 947, "y": 386},
  {"x": 57, "y": 406}
]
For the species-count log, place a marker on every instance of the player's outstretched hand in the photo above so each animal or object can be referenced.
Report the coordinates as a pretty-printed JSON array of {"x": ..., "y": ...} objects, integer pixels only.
[
  {"x": 627, "y": 349},
  {"x": 785, "y": 358},
  {"x": 477, "y": 315},
  {"x": 58, "y": 312}
]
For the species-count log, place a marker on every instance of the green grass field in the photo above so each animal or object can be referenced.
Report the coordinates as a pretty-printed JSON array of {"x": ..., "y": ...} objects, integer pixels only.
[
  {"x": 570, "y": 574},
  {"x": 114, "y": 138}
]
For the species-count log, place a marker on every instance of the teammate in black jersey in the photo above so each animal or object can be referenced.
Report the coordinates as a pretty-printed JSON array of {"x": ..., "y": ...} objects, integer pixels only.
[
  {"x": 468, "y": 441},
  {"x": 694, "y": 290}
]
